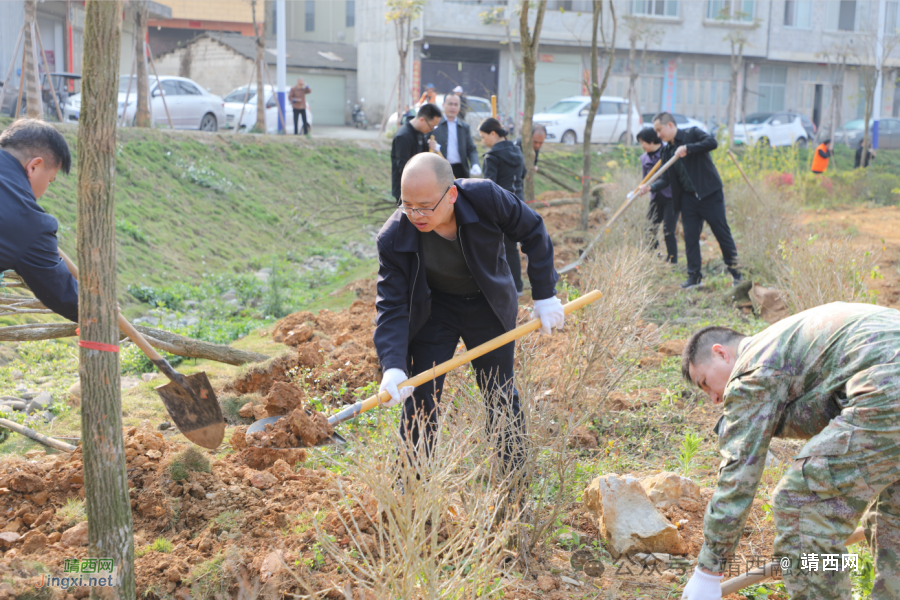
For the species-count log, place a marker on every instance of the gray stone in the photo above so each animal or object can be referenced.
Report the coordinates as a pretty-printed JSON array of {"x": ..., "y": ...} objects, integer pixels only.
[
  {"x": 29, "y": 395},
  {"x": 228, "y": 296},
  {"x": 48, "y": 416},
  {"x": 44, "y": 399},
  {"x": 570, "y": 581},
  {"x": 16, "y": 375},
  {"x": 164, "y": 425}
]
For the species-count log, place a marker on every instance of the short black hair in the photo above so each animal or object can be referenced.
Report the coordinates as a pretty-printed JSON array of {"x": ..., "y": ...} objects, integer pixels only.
[
  {"x": 30, "y": 138},
  {"x": 826, "y": 142},
  {"x": 648, "y": 134},
  {"x": 429, "y": 111},
  {"x": 491, "y": 125},
  {"x": 538, "y": 128},
  {"x": 697, "y": 349},
  {"x": 664, "y": 118}
]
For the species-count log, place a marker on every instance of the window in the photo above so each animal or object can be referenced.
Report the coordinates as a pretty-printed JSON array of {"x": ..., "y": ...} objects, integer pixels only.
[
  {"x": 689, "y": 88},
  {"x": 609, "y": 108},
  {"x": 798, "y": 14},
  {"x": 772, "y": 84},
  {"x": 726, "y": 92},
  {"x": 713, "y": 87},
  {"x": 701, "y": 93},
  {"x": 655, "y": 8},
  {"x": 189, "y": 89},
  {"x": 685, "y": 69},
  {"x": 891, "y": 23},
  {"x": 350, "y": 19},
  {"x": 310, "y": 15},
  {"x": 730, "y": 10},
  {"x": 846, "y": 15},
  {"x": 170, "y": 88}
]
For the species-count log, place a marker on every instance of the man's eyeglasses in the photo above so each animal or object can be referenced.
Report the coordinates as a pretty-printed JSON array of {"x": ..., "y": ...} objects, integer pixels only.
[{"x": 425, "y": 212}]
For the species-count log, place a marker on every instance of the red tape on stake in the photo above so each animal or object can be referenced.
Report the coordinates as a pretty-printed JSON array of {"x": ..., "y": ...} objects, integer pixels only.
[{"x": 98, "y": 346}]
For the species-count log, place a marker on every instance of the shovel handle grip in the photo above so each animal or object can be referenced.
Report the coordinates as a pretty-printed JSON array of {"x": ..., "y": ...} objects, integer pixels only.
[
  {"x": 762, "y": 573},
  {"x": 133, "y": 334},
  {"x": 457, "y": 361}
]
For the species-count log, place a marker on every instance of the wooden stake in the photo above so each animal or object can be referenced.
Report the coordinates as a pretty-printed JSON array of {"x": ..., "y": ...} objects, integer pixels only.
[
  {"x": 262, "y": 97},
  {"x": 38, "y": 437},
  {"x": 128, "y": 93},
  {"x": 21, "y": 86},
  {"x": 12, "y": 65},
  {"x": 237, "y": 124},
  {"x": 162, "y": 92},
  {"x": 49, "y": 78}
]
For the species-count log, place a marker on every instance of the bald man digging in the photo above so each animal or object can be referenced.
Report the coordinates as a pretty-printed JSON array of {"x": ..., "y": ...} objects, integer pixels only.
[{"x": 443, "y": 276}]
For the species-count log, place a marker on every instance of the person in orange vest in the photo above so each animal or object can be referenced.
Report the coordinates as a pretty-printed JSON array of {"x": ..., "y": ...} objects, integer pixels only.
[
  {"x": 820, "y": 157},
  {"x": 429, "y": 95}
]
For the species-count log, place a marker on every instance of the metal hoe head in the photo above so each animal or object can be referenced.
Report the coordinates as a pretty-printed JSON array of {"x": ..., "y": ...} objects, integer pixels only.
[
  {"x": 195, "y": 409},
  {"x": 335, "y": 439}
]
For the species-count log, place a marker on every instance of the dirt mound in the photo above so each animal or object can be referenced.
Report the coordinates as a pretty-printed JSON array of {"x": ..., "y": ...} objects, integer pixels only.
[
  {"x": 364, "y": 289},
  {"x": 333, "y": 355},
  {"x": 302, "y": 427}
]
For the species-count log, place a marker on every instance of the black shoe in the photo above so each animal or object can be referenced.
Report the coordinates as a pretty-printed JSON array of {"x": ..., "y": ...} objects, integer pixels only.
[
  {"x": 736, "y": 277},
  {"x": 694, "y": 280}
]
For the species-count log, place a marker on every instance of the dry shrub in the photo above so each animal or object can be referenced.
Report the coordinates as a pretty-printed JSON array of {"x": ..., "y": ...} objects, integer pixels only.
[
  {"x": 760, "y": 225},
  {"x": 822, "y": 269}
]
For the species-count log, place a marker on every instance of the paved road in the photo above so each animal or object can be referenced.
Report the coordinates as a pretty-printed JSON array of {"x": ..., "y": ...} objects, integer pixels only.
[{"x": 345, "y": 133}]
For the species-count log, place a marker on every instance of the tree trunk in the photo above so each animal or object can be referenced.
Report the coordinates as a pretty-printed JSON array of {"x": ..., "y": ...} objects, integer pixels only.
[
  {"x": 30, "y": 75},
  {"x": 110, "y": 531},
  {"x": 260, "y": 29},
  {"x": 402, "y": 50},
  {"x": 142, "y": 116},
  {"x": 529, "y": 41},
  {"x": 596, "y": 92}
]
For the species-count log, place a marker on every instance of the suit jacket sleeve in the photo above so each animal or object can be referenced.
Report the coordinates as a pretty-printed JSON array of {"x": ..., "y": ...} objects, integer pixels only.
[
  {"x": 49, "y": 278},
  {"x": 522, "y": 224},
  {"x": 392, "y": 321},
  {"x": 403, "y": 149},
  {"x": 471, "y": 150},
  {"x": 702, "y": 142}
]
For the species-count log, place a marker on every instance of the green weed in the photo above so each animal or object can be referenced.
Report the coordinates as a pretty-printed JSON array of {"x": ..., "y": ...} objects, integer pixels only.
[
  {"x": 161, "y": 545},
  {"x": 689, "y": 448},
  {"x": 187, "y": 461},
  {"x": 73, "y": 512}
]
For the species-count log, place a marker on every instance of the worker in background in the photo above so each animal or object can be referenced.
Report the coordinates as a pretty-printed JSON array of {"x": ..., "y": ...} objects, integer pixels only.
[
  {"x": 441, "y": 277},
  {"x": 463, "y": 102},
  {"x": 454, "y": 138},
  {"x": 31, "y": 155},
  {"x": 410, "y": 140},
  {"x": 429, "y": 95},
  {"x": 662, "y": 206},
  {"x": 829, "y": 375},
  {"x": 858, "y": 160},
  {"x": 821, "y": 156}
]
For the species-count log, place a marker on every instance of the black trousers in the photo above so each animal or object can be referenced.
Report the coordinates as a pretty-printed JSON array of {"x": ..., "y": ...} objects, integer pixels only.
[
  {"x": 459, "y": 171},
  {"x": 472, "y": 319},
  {"x": 662, "y": 210},
  {"x": 300, "y": 112},
  {"x": 514, "y": 261},
  {"x": 711, "y": 209}
]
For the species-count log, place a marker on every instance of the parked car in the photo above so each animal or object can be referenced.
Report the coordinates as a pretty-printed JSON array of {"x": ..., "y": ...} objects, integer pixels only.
[
  {"x": 565, "y": 120},
  {"x": 771, "y": 129},
  {"x": 235, "y": 100},
  {"x": 190, "y": 106},
  {"x": 888, "y": 134},
  {"x": 682, "y": 121},
  {"x": 60, "y": 88},
  {"x": 478, "y": 109}
]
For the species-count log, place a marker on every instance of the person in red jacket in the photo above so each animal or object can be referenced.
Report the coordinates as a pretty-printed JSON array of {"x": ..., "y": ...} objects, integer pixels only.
[{"x": 820, "y": 157}]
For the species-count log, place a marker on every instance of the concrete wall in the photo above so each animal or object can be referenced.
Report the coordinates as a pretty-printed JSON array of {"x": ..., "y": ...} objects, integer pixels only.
[{"x": 330, "y": 21}]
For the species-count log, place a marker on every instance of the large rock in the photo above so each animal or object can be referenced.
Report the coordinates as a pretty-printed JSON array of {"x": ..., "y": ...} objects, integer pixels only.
[
  {"x": 76, "y": 536},
  {"x": 627, "y": 519},
  {"x": 272, "y": 565},
  {"x": 667, "y": 489}
]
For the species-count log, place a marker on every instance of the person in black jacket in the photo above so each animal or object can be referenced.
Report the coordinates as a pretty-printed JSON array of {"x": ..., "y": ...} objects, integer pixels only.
[
  {"x": 538, "y": 135},
  {"x": 505, "y": 166},
  {"x": 454, "y": 138},
  {"x": 707, "y": 203},
  {"x": 661, "y": 208},
  {"x": 410, "y": 140},
  {"x": 31, "y": 154},
  {"x": 441, "y": 276}
]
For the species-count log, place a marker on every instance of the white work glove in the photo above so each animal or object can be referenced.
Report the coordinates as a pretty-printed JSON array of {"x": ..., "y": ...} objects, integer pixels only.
[
  {"x": 389, "y": 382},
  {"x": 703, "y": 586},
  {"x": 475, "y": 170},
  {"x": 550, "y": 312}
]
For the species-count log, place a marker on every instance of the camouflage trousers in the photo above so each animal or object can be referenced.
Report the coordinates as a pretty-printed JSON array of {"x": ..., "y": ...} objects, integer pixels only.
[{"x": 821, "y": 500}]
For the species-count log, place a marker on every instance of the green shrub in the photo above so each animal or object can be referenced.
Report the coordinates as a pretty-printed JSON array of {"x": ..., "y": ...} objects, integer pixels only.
[
  {"x": 188, "y": 461},
  {"x": 133, "y": 360},
  {"x": 73, "y": 512},
  {"x": 161, "y": 545}
]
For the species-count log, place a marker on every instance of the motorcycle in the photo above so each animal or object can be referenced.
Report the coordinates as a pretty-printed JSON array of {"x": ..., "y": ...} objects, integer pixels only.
[{"x": 359, "y": 115}]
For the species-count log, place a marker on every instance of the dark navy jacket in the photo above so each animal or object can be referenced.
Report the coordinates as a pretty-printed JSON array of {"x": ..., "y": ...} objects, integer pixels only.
[
  {"x": 484, "y": 214},
  {"x": 28, "y": 242}
]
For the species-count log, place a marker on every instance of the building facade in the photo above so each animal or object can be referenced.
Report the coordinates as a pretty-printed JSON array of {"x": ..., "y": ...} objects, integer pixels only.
[{"x": 687, "y": 68}]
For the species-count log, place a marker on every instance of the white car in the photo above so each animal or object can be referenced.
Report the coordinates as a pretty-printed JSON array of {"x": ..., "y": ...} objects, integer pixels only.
[
  {"x": 682, "y": 121},
  {"x": 235, "y": 100},
  {"x": 190, "y": 106},
  {"x": 566, "y": 119},
  {"x": 771, "y": 129},
  {"x": 478, "y": 109}
]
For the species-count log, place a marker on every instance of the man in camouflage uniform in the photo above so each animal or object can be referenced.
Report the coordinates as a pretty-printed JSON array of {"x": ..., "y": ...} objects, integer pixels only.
[{"x": 830, "y": 375}]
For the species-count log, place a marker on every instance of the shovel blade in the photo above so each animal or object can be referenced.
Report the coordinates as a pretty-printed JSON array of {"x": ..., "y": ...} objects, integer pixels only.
[
  {"x": 195, "y": 411},
  {"x": 334, "y": 439}
]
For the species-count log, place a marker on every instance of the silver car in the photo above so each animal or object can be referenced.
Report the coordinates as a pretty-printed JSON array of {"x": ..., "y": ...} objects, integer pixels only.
[{"x": 189, "y": 105}]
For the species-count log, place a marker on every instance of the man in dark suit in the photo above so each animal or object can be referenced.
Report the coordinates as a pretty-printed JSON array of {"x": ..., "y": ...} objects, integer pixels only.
[
  {"x": 31, "y": 154},
  {"x": 705, "y": 202},
  {"x": 455, "y": 138},
  {"x": 410, "y": 140}
]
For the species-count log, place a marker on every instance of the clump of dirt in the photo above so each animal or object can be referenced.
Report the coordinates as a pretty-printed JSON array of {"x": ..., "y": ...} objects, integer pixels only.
[
  {"x": 302, "y": 427},
  {"x": 332, "y": 354}
]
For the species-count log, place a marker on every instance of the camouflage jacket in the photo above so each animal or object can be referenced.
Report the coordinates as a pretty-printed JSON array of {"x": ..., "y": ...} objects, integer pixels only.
[{"x": 811, "y": 376}]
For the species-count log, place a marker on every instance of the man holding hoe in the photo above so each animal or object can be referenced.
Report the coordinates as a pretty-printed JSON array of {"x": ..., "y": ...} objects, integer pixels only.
[
  {"x": 443, "y": 275},
  {"x": 31, "y": 154},
  {"x": 830, "y": 375}
]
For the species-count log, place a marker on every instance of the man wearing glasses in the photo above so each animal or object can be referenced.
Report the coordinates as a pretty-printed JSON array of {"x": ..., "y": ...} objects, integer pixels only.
[
  {"x": 443, "y": 276},
  {"x": 410, "y": 140}
]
